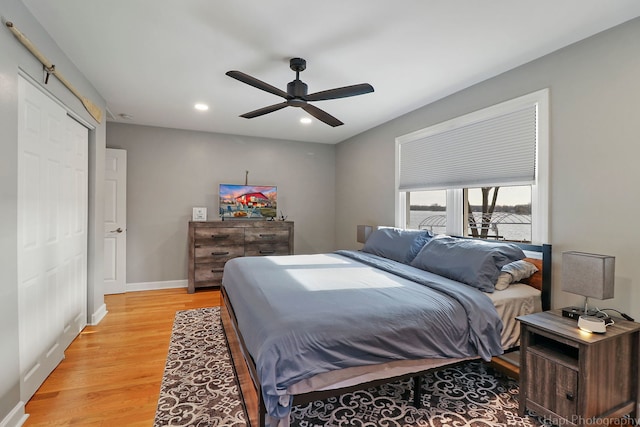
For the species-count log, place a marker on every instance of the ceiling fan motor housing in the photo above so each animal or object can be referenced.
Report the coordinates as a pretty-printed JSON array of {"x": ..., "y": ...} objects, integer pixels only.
[{"x": 297, "y": 88}]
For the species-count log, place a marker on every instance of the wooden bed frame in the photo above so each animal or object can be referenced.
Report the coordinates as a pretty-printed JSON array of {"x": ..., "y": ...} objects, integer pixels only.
[{"x": 249, "y": 381}]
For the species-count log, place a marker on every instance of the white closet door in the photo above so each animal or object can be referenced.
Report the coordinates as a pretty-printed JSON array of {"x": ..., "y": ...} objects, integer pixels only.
[
  {"x": 74, "y": 206},
  {"x": 52, "y": 233}
]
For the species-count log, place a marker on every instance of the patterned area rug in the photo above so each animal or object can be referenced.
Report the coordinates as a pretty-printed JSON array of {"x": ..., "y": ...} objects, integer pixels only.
[{"x": 199, "y": 389}]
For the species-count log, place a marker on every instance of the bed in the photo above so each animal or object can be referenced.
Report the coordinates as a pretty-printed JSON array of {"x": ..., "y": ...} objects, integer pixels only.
[{"x": 305, "y": 327}]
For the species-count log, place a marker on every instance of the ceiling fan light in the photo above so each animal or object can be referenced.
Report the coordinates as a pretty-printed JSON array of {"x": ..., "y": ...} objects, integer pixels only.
[{"x": 305, "y": 120}]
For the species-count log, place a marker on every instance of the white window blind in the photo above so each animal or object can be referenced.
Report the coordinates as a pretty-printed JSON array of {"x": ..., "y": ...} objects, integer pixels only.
[{"x": 496, "y": 146}]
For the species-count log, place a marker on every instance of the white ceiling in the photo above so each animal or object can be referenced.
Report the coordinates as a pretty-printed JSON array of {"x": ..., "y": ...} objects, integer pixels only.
[{"x": 154, "y": 59}]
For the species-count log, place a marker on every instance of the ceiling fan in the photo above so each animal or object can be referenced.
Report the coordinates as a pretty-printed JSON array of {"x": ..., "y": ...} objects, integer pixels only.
[{"x": 296, "y": 94}]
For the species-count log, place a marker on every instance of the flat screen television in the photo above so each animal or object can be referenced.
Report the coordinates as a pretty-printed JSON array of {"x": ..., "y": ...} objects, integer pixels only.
[{"x": 248, "y": 201}]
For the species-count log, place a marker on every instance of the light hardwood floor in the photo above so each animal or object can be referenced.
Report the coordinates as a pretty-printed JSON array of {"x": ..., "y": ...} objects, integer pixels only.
[{"x": 111, "y": 373}]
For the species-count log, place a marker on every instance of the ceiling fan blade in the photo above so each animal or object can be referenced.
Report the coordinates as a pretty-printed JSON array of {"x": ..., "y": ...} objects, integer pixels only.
[
  {"x": 264, "y": 110},
  {"x": 341, "y": 92},
  {"x": 321, "y": 115},
  {"x": 252, "y": 81}
]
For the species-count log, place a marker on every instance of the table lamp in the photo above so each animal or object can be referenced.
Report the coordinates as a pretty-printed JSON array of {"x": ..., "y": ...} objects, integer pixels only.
[{"x": 589, "y": 275}]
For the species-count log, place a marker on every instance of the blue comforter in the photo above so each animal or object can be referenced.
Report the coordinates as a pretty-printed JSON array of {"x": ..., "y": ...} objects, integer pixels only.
[{"x": 307, "y": 314}]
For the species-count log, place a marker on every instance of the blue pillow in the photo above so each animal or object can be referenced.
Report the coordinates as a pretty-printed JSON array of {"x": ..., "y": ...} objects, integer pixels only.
[
  {"x": 396, "y": 244},
  {"x": 474, "y": 262}
]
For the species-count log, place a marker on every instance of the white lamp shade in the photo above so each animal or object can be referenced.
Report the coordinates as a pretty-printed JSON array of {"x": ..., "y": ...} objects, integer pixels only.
[{"x": 589, "y": 275}]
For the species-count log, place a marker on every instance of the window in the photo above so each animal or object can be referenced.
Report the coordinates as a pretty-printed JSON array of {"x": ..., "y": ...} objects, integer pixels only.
[
  {"x": 448, "y": 174},
  {"x": 427, "y": 210}
]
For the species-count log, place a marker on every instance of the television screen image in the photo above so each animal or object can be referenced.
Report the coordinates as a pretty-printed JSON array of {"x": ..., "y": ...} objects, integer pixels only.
[{"x": 248, "y": 201}]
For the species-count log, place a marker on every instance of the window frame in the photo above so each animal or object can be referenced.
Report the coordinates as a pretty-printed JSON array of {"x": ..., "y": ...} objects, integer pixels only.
[{"x": 455, "y": 200}]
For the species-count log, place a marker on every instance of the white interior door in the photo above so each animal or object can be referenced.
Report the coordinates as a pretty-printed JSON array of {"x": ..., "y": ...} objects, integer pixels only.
[
  {"x": 115, "y": 221},
  {"x": 52, "y": 233}
]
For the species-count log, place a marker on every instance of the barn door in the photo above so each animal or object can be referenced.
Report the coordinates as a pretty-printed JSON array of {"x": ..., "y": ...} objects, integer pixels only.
[{"x": 52, "y": 233}]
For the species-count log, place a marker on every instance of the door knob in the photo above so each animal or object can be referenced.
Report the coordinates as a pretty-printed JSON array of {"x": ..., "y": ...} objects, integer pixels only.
[{"x": 117, "y": 230}]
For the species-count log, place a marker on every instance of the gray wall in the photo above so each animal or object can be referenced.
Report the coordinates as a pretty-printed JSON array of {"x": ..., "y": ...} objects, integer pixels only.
[
  {"x": 14, "y": 57},
  {"x": 169, "y": 171},
  {"x": 594, "y": 150},
  {"x": 594, "y": 146}
]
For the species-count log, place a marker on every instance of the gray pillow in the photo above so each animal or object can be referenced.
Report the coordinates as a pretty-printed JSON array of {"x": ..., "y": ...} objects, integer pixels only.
[
  {"x": 396, "y": 244},
  {"x": 513, "y": 273},
  {"x": 474, "y": 262}
]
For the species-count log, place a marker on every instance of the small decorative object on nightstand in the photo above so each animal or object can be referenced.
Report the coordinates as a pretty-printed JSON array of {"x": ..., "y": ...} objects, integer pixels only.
[{"x": 574, "y": 377}]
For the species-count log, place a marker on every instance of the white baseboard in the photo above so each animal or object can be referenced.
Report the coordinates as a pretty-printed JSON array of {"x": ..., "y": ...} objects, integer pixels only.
[
  {"x": 98, "y": 315},
  {"x": 152, "y": 286},
  {"x": 16, "y": 417}
]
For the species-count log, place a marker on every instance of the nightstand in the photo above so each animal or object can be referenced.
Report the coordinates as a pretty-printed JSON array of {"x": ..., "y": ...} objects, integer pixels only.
[{"x": 574, "y": 377}]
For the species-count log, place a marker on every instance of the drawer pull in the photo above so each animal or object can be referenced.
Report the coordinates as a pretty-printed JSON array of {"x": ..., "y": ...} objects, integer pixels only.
[
  {"x": 219, "y": 253},
  {"x": 267, "y": 252},
  {"x": 219, "y": 236},
  {"x": 267, "y": 236},
  {"x": 216, "y": 270},
  {"x": 570, "y": 396}
]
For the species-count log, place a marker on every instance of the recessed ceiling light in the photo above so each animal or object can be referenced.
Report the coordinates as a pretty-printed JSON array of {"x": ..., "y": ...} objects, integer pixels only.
[
  {"x": 305, "y": 120},
  {"x": 201, "y": 107}
]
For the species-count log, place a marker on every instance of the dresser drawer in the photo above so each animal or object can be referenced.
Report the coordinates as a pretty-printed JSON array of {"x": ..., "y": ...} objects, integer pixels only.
[
  {"x": 266, "y": 235},
  {"x": 209, "y": 272},
  {"x": 219, "y": 236},
  {"x": 221, "y": 254},
  {"x": 263, "y": 249}
]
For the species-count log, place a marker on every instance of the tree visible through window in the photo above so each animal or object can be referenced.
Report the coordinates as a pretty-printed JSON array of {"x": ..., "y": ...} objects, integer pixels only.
[
  {"x": 480, "y": 227},
  {"x": 508, "y": 220}
]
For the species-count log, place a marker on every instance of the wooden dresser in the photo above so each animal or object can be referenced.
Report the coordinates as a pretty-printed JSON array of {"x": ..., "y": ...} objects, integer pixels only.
[{"x": 213, "y": 243}]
